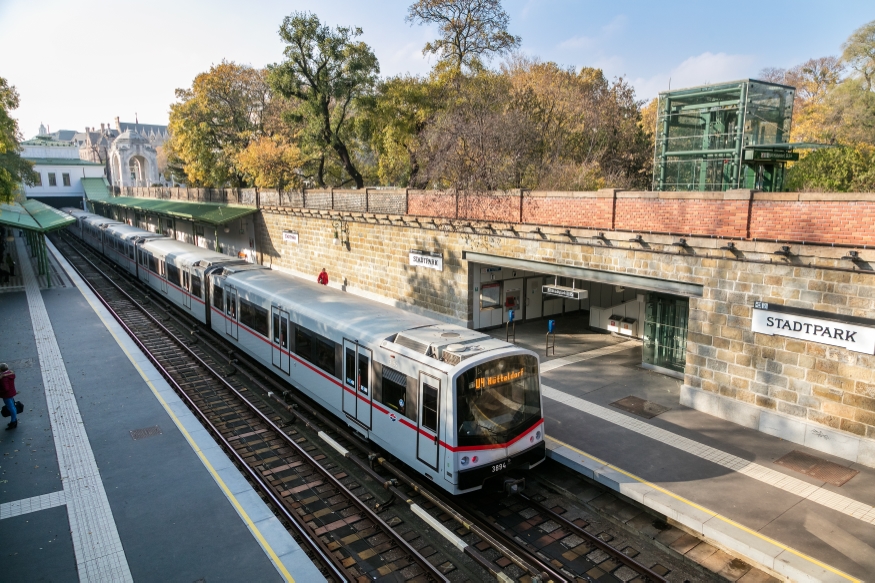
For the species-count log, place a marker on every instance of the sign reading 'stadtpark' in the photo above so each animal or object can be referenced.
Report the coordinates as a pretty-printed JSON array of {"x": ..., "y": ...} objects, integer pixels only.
[
  {"x": 804, "y": 327},
  {"x": 428, "y": 260}
]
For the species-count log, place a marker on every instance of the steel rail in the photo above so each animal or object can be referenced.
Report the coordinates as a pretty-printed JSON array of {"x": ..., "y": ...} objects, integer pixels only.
[
  {"x": 322, "y": 550},
  {"x": 267, "y": 421},
  {"x": 596, "y": 541}
]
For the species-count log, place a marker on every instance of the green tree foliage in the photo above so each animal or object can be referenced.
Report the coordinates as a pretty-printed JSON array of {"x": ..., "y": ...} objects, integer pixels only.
[
  {"x": 327, "y": 71},
  {"x": 471, "y": 31},
  {"x": 216, "y": 119},
  {"x": 13, "y": 169},
  {"x": 840, "y": 169}
]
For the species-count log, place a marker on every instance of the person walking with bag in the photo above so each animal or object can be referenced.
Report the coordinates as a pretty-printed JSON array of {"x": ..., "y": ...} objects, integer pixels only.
[{"x": 7, "y": 391}]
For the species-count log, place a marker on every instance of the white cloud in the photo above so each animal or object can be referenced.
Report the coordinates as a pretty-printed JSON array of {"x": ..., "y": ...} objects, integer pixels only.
[
  {"x": 617, "y": 24},
  {"x": 698, "y": 70}
]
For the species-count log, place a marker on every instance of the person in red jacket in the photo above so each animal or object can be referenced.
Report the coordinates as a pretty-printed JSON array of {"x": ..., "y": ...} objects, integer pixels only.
[
  {"x": 7, "y": 391},
  {"x": 323, "y": 277}
]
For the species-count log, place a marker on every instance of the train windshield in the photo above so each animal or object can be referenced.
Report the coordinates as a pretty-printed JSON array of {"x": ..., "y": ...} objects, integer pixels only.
[{"x": 497, "y": 400}]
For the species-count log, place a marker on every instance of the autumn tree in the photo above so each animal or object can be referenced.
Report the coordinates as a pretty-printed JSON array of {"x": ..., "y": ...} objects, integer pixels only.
[
  {"x": 215, "y": 120},
  {"x": 271, "y": 162},
  {"x": 859, "y": 53},
  {"x": 471, "y": 31},
  {"x": 327, "y": 71},
  {"x": 13, "y": 169}
]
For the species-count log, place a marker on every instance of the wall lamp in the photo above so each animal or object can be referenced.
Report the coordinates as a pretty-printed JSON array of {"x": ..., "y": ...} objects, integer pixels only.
[
  {"x": 637, "y": 239},
  {"x": 853, "y": 256},
  {"x": 682, "y": 243},
  {"x": 730, "y": 247},
  {"x": 784, "y": 251},
  {"x": 341, "y": 233},
  {"x": 568, "y": 234}
]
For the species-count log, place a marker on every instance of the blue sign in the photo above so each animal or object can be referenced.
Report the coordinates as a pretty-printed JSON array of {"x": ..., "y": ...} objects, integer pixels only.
[
  {"x": 551, "y": 326},
  {"x": 510, "y": 315}
]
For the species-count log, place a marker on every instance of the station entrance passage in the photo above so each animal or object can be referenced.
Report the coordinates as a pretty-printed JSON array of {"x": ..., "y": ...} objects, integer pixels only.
[{"x": 585, "y": 304}]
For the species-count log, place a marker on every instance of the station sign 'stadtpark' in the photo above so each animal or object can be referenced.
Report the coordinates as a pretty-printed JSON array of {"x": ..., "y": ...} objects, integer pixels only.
[
  {"x": 427, "y": 260},
  {"x": 564, "y": 292},
  {"x": 783, "y": 321},
  {"x": 290, "y": 237}
]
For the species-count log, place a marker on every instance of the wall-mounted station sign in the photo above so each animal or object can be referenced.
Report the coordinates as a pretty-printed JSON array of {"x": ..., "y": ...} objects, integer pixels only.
[
  {"x": 813, "y": 326},
  {"x": 290, "y": 237},
  {"x": 775, "y": 155},
  {"x": 427, "y": 260},
  {"x": 564, "y": 292}
]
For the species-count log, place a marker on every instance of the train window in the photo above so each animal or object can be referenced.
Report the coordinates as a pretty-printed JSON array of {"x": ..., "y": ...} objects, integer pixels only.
[
  {"x": 395, "y": 390},
  {"x": 130, "y": 250},
  {"x": 153, "y": 267},
  {"x": 195, "y": 285},
  {"x": 315, "y": 349},
  {"x": 218, "y": 299},
  {"x": 254, "y": 316},
  {"x": 172, "y": 273},
  {"x": 429, "y": 407}
]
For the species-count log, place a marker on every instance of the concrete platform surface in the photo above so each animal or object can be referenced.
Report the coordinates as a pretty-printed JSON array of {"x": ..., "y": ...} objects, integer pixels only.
[
  {"x": 716, "y": 478},
  {"x": 80, "y": 498}
]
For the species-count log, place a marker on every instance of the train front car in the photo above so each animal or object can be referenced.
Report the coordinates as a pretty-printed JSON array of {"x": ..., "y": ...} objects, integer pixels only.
[{"x": 498, "y": 420}]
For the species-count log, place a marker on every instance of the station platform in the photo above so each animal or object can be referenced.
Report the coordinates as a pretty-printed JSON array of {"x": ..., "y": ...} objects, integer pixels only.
[
  {"x": 715, "y": 478},
  {"x": 108, "y": 476}
]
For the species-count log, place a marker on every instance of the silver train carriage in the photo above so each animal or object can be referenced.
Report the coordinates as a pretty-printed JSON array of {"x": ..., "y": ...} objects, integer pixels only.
[{"x": 456, "y": 405}]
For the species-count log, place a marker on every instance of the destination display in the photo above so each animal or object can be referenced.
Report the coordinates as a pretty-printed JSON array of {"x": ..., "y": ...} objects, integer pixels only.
[
  {"x": 804, "y": 327},
  {"x": 564, "y": 292},
  {"x": 427, "y": 260},
  {"x": 483, "y": 382},
  {"x": 290, "y": 236}
]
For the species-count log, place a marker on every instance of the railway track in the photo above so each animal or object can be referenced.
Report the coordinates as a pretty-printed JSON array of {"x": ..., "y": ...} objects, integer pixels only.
[{"x": 329, "y": 497}]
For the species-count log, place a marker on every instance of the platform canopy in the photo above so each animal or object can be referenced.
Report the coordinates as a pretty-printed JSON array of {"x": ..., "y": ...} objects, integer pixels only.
[
  {"x": 204, "y": 212},
  {"x": 34, "y": 216},
  {"x": 96, "y": 188}
]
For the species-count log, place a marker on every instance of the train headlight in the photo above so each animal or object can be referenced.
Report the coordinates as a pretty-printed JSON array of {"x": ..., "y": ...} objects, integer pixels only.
[
  {"x": 531, "y": 439},
  {"x": 538, "y": 434},
  {"x": 464, "y": 460},
  {"x": 474, "y": 459}
]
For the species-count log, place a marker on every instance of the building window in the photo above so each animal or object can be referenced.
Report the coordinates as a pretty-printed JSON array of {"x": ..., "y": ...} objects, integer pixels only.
[
  {"x": 52, "y": 180},
  {"x": 66, "y": 178},
  {"x": 39, "y": 179}
]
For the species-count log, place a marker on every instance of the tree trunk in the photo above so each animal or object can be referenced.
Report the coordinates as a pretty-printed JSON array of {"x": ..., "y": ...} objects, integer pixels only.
[
  {"x": 320, "y": 172},
  {"x": 346, "y": 160}
]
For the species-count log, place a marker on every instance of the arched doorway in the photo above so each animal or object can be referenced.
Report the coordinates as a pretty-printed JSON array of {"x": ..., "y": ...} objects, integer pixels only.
[{"x": 138, "y": 169}]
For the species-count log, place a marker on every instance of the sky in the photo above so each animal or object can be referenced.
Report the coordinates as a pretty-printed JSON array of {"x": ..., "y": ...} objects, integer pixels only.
[{"x": 83, "y": 62}]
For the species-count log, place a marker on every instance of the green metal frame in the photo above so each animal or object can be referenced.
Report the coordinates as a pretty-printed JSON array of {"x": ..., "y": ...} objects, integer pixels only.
[{"x": 703, "y": 134}]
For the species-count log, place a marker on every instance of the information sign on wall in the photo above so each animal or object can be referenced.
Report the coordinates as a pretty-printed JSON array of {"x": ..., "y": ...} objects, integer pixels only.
[
  {"x": 427, "y": 260},
  {"x": 290, "y": 237},
  {"x": 805, "y": 325},
  {"x": 564, "y": 292}
]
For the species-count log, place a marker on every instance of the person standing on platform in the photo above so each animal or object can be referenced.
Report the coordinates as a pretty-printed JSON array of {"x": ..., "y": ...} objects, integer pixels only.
[
  {"x": 7, "y": 391},
  {"x": 323, "y": 277}
]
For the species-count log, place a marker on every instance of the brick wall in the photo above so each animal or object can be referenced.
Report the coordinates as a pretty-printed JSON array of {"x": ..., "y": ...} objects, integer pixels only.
[
  {"x": 847, "y": 219},
  {"x": 700, "y": 213},
  {"x": 570, "y": 209},
  {"x": 829, "y": 218}
]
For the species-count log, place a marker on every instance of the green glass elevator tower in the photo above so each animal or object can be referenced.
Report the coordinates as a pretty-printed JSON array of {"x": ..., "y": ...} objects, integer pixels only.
[{"x": 724, "y": 136}]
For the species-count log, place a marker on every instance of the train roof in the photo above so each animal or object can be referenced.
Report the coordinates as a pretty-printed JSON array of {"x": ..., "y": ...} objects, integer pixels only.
[
  {"x": 126, "y": 231},
  {"x": 189, "y": 253},
  {"x": 358, "y": 318}
]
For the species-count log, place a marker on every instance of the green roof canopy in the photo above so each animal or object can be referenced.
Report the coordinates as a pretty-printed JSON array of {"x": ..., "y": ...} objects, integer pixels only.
[
  {"x": 95, "y": 188},
  {"x": 34, "y": 216},
  {"x": 205, "y": 212},
  {"x": 61, "y": 162}
]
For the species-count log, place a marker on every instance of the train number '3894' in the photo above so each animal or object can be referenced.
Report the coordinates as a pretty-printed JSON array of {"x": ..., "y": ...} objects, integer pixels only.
[{"x": 499, "y": 467}]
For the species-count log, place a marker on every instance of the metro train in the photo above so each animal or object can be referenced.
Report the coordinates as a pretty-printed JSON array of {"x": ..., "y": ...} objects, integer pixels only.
[{"x": 456, "y": 405}]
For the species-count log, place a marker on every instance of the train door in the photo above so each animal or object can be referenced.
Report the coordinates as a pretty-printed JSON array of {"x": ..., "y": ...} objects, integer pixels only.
[
  {"x": 280, "y": 338},
  {"x": 186, "y": 287},
  {"x": 428, "y": 436},
  {"x": 357, "y": 382},
  {"x": 144, "y": 266},
  {"x": 231, "y": 311},
  {"x": 534, "y": 297},
  {"x": 162, "y": 273}
]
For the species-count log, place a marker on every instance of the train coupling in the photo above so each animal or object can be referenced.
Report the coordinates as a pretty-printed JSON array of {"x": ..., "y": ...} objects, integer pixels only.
[{"x": 514, "y": 486}]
